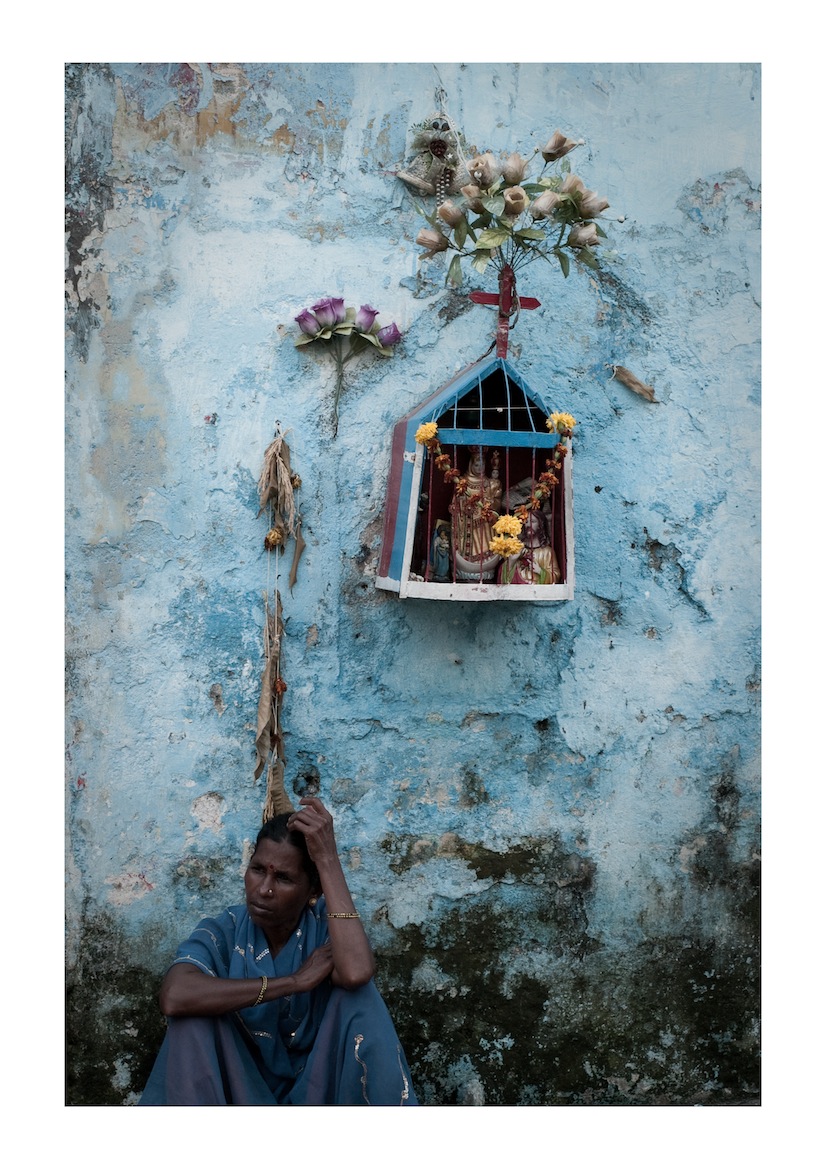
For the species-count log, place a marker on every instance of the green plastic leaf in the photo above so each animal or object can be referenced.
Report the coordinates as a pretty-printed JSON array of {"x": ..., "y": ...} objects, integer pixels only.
[
  {"x": 304, "y": 339},
  {"x": 529, "y": 233},
  {"x": 480, "y": 261},
  {"x": 564, "y": 263},
  {"x": 600, "y": 232},
  {"x": 587, "y": 257},
  {"x": 493, "y": 237},
  {"x": 429, "y": 216},
  {"x": 460, "y": 233},
  {"x": 495, "y": 205},
  {"x": 454, "y": 272}
]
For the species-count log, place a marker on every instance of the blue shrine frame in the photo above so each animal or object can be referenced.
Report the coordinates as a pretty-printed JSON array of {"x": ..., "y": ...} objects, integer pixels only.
[{"x": 489, "y": 405}]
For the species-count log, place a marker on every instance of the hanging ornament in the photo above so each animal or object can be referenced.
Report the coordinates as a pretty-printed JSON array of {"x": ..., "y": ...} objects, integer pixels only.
[{"x": 438, "y": 166}]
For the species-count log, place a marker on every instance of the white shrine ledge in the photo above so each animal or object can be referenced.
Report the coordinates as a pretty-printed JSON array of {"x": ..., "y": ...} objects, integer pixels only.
[{"x": 466, "y": 591}]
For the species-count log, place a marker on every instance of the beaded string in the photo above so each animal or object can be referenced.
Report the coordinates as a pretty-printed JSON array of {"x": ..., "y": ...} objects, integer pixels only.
[{"x": 440, "y": 99}]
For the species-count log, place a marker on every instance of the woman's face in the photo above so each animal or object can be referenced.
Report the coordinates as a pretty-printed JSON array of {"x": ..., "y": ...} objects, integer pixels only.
[{"x": 276, "y": 885}]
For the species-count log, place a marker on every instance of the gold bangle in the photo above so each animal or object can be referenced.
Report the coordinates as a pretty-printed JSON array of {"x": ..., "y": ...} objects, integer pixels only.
[
  {"x": 262, "y": 991},
  {"x": 344, "y": 915}
]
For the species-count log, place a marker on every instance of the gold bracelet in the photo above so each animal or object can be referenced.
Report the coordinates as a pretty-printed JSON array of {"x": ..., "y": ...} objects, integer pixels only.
[
  {"x": 262, "y": 991},
  {"x": 344, "y": 915}
]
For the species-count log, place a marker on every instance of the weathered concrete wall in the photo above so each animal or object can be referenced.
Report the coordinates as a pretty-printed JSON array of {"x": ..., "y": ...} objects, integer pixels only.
[{"x": 548, "y": 813}]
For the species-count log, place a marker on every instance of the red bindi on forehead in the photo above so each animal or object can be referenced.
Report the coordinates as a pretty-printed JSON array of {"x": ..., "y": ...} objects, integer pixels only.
[{"x": 278, "y": 856}]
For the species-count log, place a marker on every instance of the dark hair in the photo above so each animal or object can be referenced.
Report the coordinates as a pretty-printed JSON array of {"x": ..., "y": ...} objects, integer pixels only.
[
  {"x": 276, "y": 830},
  {"x": 542, "y": 522}
]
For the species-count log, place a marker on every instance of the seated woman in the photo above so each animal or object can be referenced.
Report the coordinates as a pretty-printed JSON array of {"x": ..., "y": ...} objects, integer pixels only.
[{"x": 273, "y": 1002}]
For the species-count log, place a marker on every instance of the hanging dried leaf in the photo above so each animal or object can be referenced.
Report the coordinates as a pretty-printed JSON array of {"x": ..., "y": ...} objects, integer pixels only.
[
  {"x": 263, "y": 738},
  {"x": 275, "y": 483},
  {"x": 633, "y": 383},
  {"x": 300, "y": 545},
  {"x": 267, "y": 733},
  {"x": 277, "y": 801}
]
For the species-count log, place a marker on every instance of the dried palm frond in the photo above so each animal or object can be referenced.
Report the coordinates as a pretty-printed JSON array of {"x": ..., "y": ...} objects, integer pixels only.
[
  {"x": 300, "y": 545},
  {"x": 275, "y": 484},
  {"x": 277, "y": 801},
  {"x": 267, "y": 732}
]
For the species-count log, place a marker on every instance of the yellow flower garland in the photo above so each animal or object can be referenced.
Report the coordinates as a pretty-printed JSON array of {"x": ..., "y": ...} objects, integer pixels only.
[
  {"x": 560, "y": 422},
  {"x": 426, "y": 432},
  {"x": 506, "y": 546},
  {"x": 508, "y": 525}
]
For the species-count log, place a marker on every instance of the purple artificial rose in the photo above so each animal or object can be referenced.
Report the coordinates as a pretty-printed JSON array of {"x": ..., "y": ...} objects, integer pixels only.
[
  {"x": 389, "y": 335},
  {"x": 329, "y": 311},
  {"x": 307, "y": 323},
  {"x": 365, "y": 317}
]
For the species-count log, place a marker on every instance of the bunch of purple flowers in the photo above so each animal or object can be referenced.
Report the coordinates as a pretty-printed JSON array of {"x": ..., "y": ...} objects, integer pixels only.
[
  {"x": 347, "y": 332},
  {"x": 329, "y": 318}
]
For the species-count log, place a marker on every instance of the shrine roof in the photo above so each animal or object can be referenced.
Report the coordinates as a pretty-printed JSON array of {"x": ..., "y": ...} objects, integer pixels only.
[{"x": 465, "y": 380}]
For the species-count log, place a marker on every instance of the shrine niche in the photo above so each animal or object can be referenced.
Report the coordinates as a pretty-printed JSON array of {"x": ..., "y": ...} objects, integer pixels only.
[{"x": 480, "y": 501}]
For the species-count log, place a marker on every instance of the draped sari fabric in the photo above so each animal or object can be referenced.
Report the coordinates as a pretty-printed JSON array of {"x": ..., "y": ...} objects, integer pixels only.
[{"x": 325, "y": 1046}]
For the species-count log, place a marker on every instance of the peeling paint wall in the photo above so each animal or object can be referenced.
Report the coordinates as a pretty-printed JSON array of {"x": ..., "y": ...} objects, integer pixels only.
[{"x": 549, "y": 814}]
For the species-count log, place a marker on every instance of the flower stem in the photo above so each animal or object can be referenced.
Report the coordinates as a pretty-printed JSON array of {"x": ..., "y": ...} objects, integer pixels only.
[{"x": 340, "y": 362}]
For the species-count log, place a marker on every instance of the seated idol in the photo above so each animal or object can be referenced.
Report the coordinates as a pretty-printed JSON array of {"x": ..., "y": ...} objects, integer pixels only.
[{"x": 273, "y": 1002}]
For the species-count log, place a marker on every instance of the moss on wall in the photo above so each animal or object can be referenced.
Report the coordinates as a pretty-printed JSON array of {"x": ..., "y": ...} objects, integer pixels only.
[
  {"x": 113, "y": 1025},
  {"x": 670, "y": 1021}
]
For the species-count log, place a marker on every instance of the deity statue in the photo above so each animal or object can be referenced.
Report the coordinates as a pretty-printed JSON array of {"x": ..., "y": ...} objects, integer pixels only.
[
  {"x": 537, "y": 562},
  {"x": 475, "y": 509},
  {"x": 440, "y": 552}
]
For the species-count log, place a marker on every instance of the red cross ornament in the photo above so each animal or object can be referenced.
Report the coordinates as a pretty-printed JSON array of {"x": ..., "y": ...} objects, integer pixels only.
[{"x": 508, "y": 302}]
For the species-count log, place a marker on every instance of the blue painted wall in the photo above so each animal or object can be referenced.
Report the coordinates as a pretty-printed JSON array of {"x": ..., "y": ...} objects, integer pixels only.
[{"x": 549, "y": 813}]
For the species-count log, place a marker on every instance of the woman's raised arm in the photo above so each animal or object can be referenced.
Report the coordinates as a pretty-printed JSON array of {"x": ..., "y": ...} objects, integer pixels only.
[{"x": 353, "y": 962}]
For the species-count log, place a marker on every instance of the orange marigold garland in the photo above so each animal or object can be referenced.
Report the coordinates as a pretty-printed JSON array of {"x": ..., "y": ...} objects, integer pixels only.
[{"x": 427, "y": 436}]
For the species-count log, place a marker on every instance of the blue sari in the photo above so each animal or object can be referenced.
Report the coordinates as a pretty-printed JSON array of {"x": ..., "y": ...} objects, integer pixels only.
[{"x": 324, "y": 1046}]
